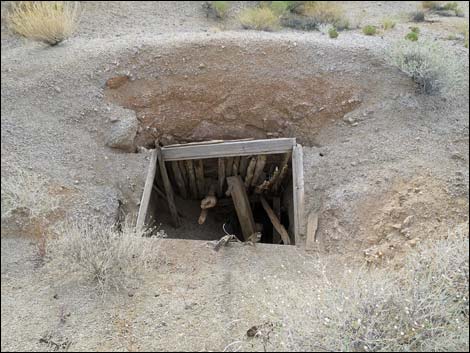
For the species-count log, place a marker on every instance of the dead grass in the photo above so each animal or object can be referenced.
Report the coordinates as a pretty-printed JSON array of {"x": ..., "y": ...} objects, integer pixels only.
[
  {"x": 259, "y": 18},
  {"x": 50, "y": 22},
  {"x": 421, "y": 307},
  {"x": 109, "y": 257}
]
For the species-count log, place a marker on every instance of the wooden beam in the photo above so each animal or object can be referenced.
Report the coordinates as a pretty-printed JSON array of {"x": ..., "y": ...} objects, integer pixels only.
[
  {"x": 242, "y": 205},
  {"x": 179, "y": 179},
  {"x": 298, "y": 189},
  {"x": 221, "y": 176},
  {"x": 200, "y": 181},
  {"x": 144, "y": 202},
  {"x": 236, "y": 163},
  {"x": 249, "y": 171},
  {"x": 275, "y": 221},
  {"x": 191, "y": 178},
  {"x": 260, "y": 163},
  {"x": 277, "y": 212},
  {"x": 168, "y": 188},
  {"x": 228, "y": 149},
  {"x": 243, "y": 165},
  {"x": 312, "y": 226},
  {"x": 228, "y": 166},
  {"x": 284, "y": 168}
]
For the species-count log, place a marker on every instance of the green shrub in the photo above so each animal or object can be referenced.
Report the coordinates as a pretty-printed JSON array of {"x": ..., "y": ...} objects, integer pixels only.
[
  {"x": 369, "y": 30},
  {"x": 451, "y": 6},
  {"x": 279, "y": 7},
  {"x": 415, "y": 30},
  {"x": 413, "y": 36},
  {"x": 333, "y": 33},
  {"x": 259, "y": 18},
  {"x": 220, "y": 8}
]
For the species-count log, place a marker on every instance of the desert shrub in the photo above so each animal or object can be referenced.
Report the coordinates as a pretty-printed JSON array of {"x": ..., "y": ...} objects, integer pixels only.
[
  {"x": 259, "y": 18},
  {"x": 430, "y": 5},
  {"x": 26, "y": 191},
  {"x": 369, "y": 30},
  {"x": 333, "y": 33},
  {"x": 50, "y": 22},
  {"x": 434, "y": 68},
  {"x": 279, "y": 7},
  {"x": 451, "y": 6},
  {"x": 415, "y": 30},
  {"x": 388, "y": 24},
  {"x": 412, "y": 36},
  {"x": 109, "y": 257},
  {"x": 218, "y": 9},
  {"x": 310, "y": 15},
  {"x": 418, "y": 16},
  {"x": 421, "y": 307}
]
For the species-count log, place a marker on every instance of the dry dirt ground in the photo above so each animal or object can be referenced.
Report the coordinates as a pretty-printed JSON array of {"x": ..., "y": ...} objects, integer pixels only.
[{"x": 385, "y": 166}]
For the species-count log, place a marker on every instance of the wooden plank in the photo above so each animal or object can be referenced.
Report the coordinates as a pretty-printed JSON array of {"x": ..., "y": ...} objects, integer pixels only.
[
  {"x": 144, "y": 202},
  {"x": 168, "y": 188},
  {"x": 228, "y": 166},
  {"x": 179, "y": 179},
  {"x": 242, "y": 205},
  {"x": 200, "y": 181},
  {"x": 243, "y": 166},
  {"x": 277, "y": 212},
  {"x": 312, "y": 226},
  {"x": 298, "y": 189},
  {"x": 250, "y": 170},
  {"x": 275, "y": 221},
  {"x": 221, "y": 176},
  {"x": 229, "y": 149},
  {"x": 191, "y": 178},
  {"x": 260, "y": 163},
  {"x": 284, "y": 168},
  {"x": 210, "y": 142},
  {"x": 184, "y": 173},
  {"x": 236, "y": 163}
]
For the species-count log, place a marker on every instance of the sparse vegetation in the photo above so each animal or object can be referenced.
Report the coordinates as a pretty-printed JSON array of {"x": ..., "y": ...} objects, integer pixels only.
[
  {"x": 412, "y": 36},
  {"x": 259, "y": 18},
  {"x": 50, "y": 22},
  {"x": 447, "y": 9},
  {"x": 388, "y": 24},
  {"x": 110, "y": 258},
  {"x": 430, "y": 5},
  {"x": 310, "y": 15},
  {"x": 432, "y": 67},
  {"x": 422, "y": 307},
  {"x": 418, "y": 16},
  {"x": 217, "y": 9},
  {"x": 369, "y": 30},
  {"x": 415, "y": 30},
  {"x": 333, "y": 33}
]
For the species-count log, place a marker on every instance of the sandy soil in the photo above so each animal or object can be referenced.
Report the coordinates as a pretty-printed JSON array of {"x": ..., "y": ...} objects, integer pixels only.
[{"x": 395, "y": 154}]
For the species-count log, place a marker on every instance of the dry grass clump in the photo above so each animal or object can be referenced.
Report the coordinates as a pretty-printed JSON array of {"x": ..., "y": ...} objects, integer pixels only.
[
  {"x": 430, "y": 5},
  {"x": 217, "y": 9},
  {"x": 369, "y": 30},
  {"x": 422, "y": 307},
  {"x": 50, "y": 22},
  {"x": 310, "y": 15},
  {"x": 388, "y": 24},
  {"x": 259, "y": 18},
  {"x": 26, "y": 192},
  {"x": 434, "y": 68},
  {"x": 111, "y": 258}
]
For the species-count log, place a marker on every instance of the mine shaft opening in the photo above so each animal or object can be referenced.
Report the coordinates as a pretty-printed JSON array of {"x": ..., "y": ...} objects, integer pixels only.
[{"x": 246, "y": 189}]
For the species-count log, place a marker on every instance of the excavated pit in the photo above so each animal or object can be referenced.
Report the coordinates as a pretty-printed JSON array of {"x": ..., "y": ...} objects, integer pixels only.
[{"x": 225, "y": 92}]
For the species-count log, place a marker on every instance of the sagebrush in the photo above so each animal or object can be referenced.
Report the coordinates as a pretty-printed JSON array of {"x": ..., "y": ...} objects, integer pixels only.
[
  {"x": 434, "y": 68},
  {"x": 421, "y": 307},
  {"x": 259, "y": 18},
  {"x": 50, "y": 22},
  {"x": 111, "y": 258}
]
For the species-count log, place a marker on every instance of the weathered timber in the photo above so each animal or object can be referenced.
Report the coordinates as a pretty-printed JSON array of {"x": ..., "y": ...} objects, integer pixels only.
[
  {"x": 243, "y": 165},
  {"x": 221, "y": 176},
  {"x": 200, "y": 181},
  {"x": 144, "y": 202},
  {"x": 191, "y": 178},
  {"x": 249, "y": 172},
  {"x": 236, "y": 163},
  {"x": 229, "y": 149},
  {"x": 275, "y": 221},
  {"x": 284, "y": 168},
  {"x": 242, "y": 205},
  {"x": 312, "y": 226},
  {"x": 179, "y": 179},
  {"x": 228, "y": 166},
  {"x": 298, "y": 184},
  {"x": 168, "y": 188},
  {"x": 260, "y": 163}
]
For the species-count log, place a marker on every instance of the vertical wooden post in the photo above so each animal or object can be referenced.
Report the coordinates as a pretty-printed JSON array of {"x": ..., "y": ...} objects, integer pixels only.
[
  {"x": 168, "y": 189},
  {"x": 144, "y": 202},
  {"x": 298, "y": 188},
  {"x": 228, "y": 166},
  {"x": 179, "y": 179},
  {"x": 200, "y": 181},
  {"x": 191, "y": 178},
  {"x": 242, "y": 205},
  {"x": 221, "y": 176}
]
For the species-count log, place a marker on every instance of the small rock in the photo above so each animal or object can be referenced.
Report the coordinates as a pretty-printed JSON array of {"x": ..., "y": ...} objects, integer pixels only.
[
  {"x": 57, "y": 89},
  {"x": 56, "y": 296},
  {"x": 123, "y": 132},
  {"x": 202, "y": 66}
]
